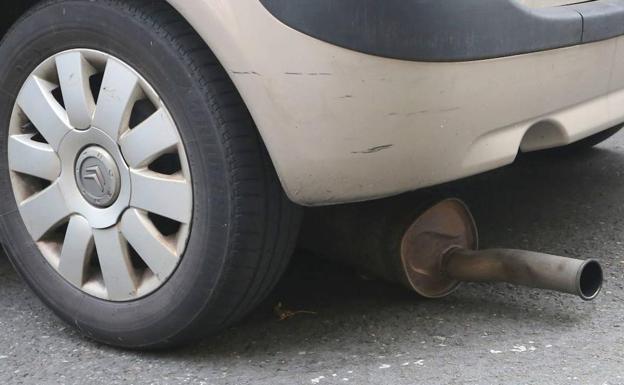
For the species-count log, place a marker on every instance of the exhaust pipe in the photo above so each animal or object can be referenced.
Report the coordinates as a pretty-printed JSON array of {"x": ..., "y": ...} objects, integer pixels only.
[
  {"x": 527, "y": 268},
  {"x": 433, "y": 253}
]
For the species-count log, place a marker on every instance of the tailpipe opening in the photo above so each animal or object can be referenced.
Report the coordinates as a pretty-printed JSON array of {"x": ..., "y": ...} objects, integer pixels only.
[{"x": 590, "y": 280}]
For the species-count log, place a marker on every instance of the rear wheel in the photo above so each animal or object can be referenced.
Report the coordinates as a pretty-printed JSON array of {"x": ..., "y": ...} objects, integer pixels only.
[{"x": 146, "y": 211}]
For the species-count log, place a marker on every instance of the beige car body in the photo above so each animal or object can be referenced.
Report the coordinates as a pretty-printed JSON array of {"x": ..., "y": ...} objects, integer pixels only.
[{"x": 343, "y": 126}]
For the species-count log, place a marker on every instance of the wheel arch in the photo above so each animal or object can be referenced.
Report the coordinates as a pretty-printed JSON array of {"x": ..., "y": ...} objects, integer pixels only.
[
  {"x": 220, "y": 26},
  {"x": 220, "y": 38}
]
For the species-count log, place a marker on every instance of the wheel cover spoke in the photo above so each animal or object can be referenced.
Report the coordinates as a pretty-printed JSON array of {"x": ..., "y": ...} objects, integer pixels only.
[
  {"x": 118, "y": 93},
  {"x": 108, "y": 205},
  {"x": 152, "y": 247},
  {"x": 165, "y": 195},
  {"x": 115, "y": 261},
  {"x": 74, "y": 73},
  {"x": 147, "y": 141},
  {"x": 46, "y": 114},
  {"x": 33, "y": 158},
  {"x": 43, "y": 211},
  {"x": 77, "y": 249}
]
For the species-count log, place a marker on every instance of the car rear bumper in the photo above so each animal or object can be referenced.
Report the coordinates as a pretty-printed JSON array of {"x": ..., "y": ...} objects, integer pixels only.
[{"x": 344, "y": 126}]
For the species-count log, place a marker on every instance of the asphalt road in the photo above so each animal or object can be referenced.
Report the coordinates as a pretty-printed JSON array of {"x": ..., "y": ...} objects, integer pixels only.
[{"x": 369, "y": 332}]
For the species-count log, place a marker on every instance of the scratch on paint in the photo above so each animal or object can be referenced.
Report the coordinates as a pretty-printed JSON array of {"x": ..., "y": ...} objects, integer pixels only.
[
  {"x": 374, "y": 149},
  {"x": 246, "y": 73},
  {"x": 308, "y": 73}
]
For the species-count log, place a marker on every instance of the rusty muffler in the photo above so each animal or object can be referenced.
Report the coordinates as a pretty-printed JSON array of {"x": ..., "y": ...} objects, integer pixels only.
[{"x": 433, "y": 253}]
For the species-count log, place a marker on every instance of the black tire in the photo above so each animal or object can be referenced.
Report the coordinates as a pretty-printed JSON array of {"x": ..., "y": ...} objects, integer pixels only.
[{"x": 243, "y": 228}]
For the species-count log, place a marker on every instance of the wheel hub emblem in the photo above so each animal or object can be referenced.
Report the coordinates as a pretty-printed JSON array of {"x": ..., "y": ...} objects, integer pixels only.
[{"x": 97, "y": 176}]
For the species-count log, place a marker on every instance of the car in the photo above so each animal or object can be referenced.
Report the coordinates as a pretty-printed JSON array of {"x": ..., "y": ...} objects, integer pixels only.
[{"x": 156, "y": 156}]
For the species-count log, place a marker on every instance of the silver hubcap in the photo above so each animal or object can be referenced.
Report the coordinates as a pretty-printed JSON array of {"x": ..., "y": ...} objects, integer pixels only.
[{"x": 100, "y": 175}]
